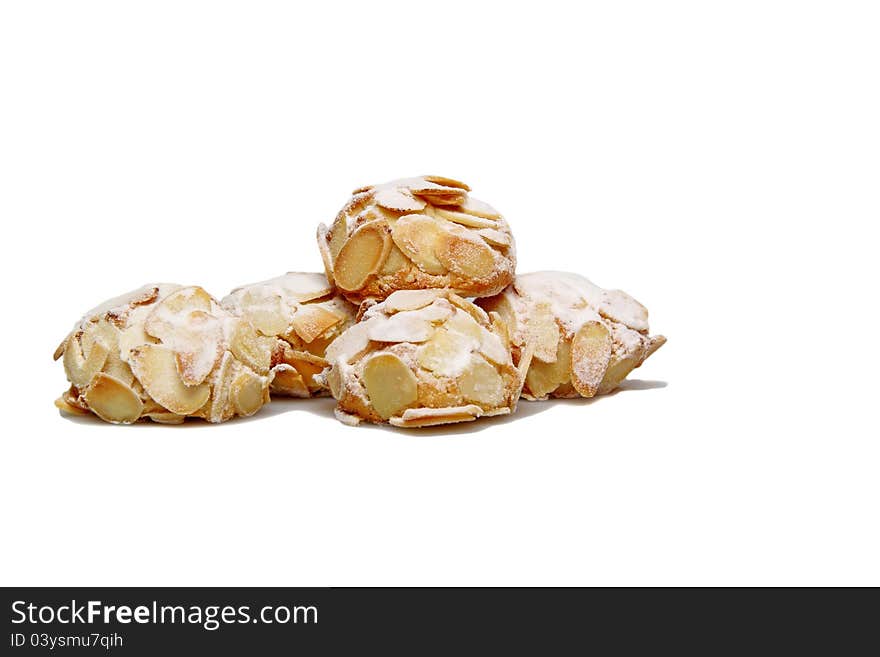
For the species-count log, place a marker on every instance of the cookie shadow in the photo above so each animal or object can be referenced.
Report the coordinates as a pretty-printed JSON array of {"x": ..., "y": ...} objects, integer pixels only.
[
  {"x": 320, "y": 406},
  {"x": 639, "y": 384},
  {"x": 524, "y": 408},
  {"x": 323, "y": 407}
]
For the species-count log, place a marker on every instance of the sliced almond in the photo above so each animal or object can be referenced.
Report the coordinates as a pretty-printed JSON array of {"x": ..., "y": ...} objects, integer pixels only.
[
  {"x": 543, "y": 331},
  {"x": 115, "y": 309},
  {"x": 145, "y": 295},
  {"x": 251, "y": 348},
  {"x": 462, "y": 323},
  {"x": 266, "y": 321},
  {"x": 543, "y": 378},
  {"x": 479, "y": 208},
  {"x": 312, "y": 321},
  {"x": 268, "y": 313},
  {"x": 426, "y": 417},
  {"x": 447, "y": 353},
  {"x": 621, "y": 307},
  {"x": 501, "y": 329},
  {"x": 620, "y": 366},
  {"x": 67, "y": 408},
  {"x": 133, "y": 336},
  {"x": 465, "y": 255},
  {"x": 165, "y": 417},
  {"x": 370, "y": 215},
  {"x": 309, "y": 366},
  {"x": 333, "y": 378},
  {"x": 318, "y": 346},
  {"x": 502, "y": 305},
  {"x": 59, "y": 350},
  {"x": 248, "y": 392},
  {"x": 350, "y": 343},
  {"x": 447, "y": 182},
  {"x": 439, "y": 195},
  {"x": 417, "y": 235},
  {"x": 590, "y": 355},
  {"x": 184, "y": 323},
  {"x": 116, "y": 367},
  {"x": 303, "y": 286},
  {"x": 526, "y": 357},
  {"x": 198, "y": 346},
  {"x": 323, "y": 237},
  {"x": 361, "y": 256},
  {"x": 480, "y": 383},
  {"x": 390, "y": 384},
  {"x": 494, "y": 347},
  {"x": 398, "y": 199},
  {"x": 102, "y": 331},
  {"x": 220, "y": 406},
  {"x": 340, "y": 306},
  {"x": 155, "y": 367},
  {"x": 364, "y": 306},
  {"x": 163, "y": 319},
  {"x": 496, "y": 237},
  {"x": 406, "y": 326},
  {"x": 346, "y": 418},
  {"x": 337, "y": 236},
  {"x": 112, "y": 400},
  {"x": 81, "y": 369},
  {"x": 465, "y": 219},
  {"x": 438, "y": 311},
  {"x": 193, "y": 367},
  {"x": 618, "y": 370},
  {"x": 286, "y": 380},
  {"x": 471, "y": 309},
  {"x": 395, "y": 262},
  {"x": 654, "y": 343},
  {"x": 410, "y": 299},
  {"x": 72, "y": 396}
]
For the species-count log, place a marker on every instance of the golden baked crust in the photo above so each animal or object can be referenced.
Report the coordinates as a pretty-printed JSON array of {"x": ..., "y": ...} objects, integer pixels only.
[
  {"x": 420, "y": 358},
  {"x": 164, "y": 352},
  {"x": 417, "y": 233},
  {"x": 305, "y": 313},
  {"x": 581, "y": 340}
]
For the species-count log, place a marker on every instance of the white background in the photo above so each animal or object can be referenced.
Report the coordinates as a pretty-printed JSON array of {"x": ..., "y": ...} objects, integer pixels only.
[{"x": 719, "y": 161}]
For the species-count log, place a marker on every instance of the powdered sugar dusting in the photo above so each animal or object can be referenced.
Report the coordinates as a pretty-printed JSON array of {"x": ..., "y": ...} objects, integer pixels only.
[
  {"x": 576, "y": 300},
  {"x": 299, "y": 286}
]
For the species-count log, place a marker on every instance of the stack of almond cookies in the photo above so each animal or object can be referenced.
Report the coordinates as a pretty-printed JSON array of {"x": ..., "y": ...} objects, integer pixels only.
[{"x": 418, "y": 320}]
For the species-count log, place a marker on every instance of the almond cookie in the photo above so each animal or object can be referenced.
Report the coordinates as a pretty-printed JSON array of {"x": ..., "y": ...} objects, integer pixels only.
[
  {"x": 417, "y": 233},
  {"x": 305, "y": 313},
  {"x": 165, "y": 352},
  {"x": 423, "y": 357},
  {"x": 580, "y": 340}
]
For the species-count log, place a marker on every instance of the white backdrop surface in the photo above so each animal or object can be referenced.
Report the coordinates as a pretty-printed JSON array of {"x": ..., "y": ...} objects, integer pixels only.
[{"x": 719, "y": 161}]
